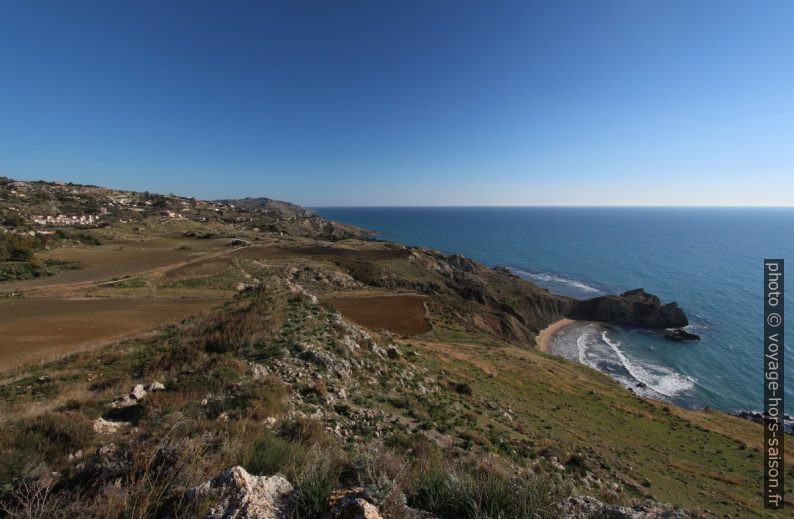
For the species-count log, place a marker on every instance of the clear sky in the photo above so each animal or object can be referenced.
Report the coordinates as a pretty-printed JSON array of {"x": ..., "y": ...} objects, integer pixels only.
[{"x": 632, "y": 102}]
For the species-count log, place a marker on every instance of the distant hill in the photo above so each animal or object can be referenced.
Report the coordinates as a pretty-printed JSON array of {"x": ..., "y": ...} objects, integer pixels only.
[
  {"x": 268, "y": 204},
  {"x": 37, "y": 215}
]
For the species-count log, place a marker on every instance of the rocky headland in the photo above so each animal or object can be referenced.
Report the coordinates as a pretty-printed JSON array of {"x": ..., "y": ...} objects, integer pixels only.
[{"x": 632, "y": 308}]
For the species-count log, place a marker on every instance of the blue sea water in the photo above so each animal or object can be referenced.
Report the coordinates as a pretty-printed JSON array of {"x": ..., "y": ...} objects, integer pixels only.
[{"x": 709, "y": 260}]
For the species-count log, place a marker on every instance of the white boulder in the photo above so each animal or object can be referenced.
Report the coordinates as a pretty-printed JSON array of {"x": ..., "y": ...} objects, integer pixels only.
[{"x": 239, "y": 495}]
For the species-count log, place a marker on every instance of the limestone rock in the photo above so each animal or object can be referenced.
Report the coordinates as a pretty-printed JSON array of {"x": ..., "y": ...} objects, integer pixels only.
[
  {"x": 102, "y": 426},
  {"x": 585, "y": 507},
  {"x": 155, "y": 386},
  {"x": 124, "y": 401},
  {"x": 463, "y": 263},
  {"x": 257, "y": 371},
  {"x": 138, "y": 392},
  {"x": 239, "y": 495},
  {"x": 350, "y": 504}
]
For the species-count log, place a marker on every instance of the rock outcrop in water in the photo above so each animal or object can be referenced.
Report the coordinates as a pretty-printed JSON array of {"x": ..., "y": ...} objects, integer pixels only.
[
  {"x": 681, "y": 335},
  {"x": 632, "y": 308}
]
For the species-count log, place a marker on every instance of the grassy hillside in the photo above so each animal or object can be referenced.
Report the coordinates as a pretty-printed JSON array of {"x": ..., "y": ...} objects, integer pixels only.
[{"x": 461, "y": 418}]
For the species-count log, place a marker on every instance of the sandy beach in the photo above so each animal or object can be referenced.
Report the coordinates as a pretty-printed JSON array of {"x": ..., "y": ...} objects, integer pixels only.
[{"x": 543, "y": 338}]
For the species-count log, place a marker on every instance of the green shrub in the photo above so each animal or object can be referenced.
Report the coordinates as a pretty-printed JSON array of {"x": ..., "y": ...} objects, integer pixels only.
[
  {"x": 265, "y": 351},
  {"x": 318, "y": 476},
  {"x": 12, "y": 219},
  {"x": 308, "y": 431},
  {"x": 400, "y": 442},
  {"x": 257, "y": 400},
  {"x": 270, "y": 454},
  {"x": 342, "y": 409},
  {"x": 460, "y": 388},
  {"x": 481, "y": 493},
  {"x": 399, "y": 402},
  {"x": 17, "y": 247},
  {"x": 16, "y": 271},
  {"x": 81, "y": 237},
  {"x": 313, "y": 395},
  {"x": 228, "y": 374}
]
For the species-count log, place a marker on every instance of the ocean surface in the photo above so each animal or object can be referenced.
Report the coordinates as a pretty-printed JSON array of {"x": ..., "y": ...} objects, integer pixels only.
[{"x": 709, "y": 260}]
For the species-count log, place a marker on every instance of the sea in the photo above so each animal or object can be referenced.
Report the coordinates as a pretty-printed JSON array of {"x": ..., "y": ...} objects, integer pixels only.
[{"x": 709, "y": 260}]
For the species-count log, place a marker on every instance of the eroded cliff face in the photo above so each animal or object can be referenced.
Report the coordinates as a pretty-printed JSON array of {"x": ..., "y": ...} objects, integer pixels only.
[
  {"x": 495, "y": 301},
  {"x": 492, "y": 300},
  {"x": 515, "y": 309}
]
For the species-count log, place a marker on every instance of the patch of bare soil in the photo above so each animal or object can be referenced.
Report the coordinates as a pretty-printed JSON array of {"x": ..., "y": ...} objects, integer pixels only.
[
  {"x": 33, "y": 330},
  {"x": 201, "y": 268},
  {"x": 105, "y": 262},
  {"x": 403, "y": 314}
]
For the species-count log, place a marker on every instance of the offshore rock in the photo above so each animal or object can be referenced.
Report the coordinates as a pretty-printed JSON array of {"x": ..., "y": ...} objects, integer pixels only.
[{"x": 680, "y": 335}]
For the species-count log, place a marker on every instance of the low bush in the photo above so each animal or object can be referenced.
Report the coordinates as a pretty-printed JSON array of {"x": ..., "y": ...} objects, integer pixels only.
[
  {"x": 318, "y": 476},
  {"x": 17, "y": 247},
  {"x": 78, "y": 236},
  {"x": 308, "y": 431},
  {"x": 16, "y": 271},
  {"x": 12, "y": 219},
  {"x": 43, "y": 441},
  {"x": 241, "y": 326},
  {"x": 461, "y": 388},
  {"x": 381, "y": 474},
  {"x": 481, "y": 493},
  {"x": 270, "y": 454}
]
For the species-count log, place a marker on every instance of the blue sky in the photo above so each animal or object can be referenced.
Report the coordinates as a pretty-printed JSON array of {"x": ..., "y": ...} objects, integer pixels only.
[{"x": 405, "y": 103}]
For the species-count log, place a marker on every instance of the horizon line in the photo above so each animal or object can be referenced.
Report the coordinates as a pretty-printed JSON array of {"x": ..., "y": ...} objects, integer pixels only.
[
  {"x": 548, "y": 206},
  {"x": 457, "y": 206}
]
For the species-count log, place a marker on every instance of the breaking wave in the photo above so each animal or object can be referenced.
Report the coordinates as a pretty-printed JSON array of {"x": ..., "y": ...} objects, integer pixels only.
[
  {"x": 553, "y": 278},
  {"x": 660, "y": 379}
]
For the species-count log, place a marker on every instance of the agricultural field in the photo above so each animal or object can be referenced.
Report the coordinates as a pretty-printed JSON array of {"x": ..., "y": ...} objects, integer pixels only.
[
  {"x": 402, "y": 314},
  {"x": 40, "y": 329}
]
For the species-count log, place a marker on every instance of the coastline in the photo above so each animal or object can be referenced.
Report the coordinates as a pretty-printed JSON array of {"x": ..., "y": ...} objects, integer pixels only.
[{"x": 543, "y": 338}]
